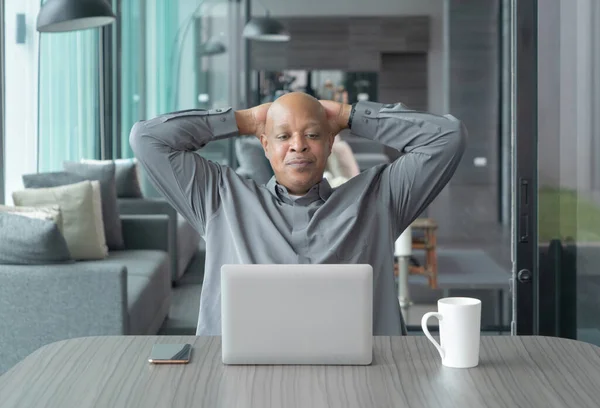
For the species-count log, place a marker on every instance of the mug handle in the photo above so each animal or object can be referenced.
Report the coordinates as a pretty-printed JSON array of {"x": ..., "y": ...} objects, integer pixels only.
[{"x": 426, "y": 317}]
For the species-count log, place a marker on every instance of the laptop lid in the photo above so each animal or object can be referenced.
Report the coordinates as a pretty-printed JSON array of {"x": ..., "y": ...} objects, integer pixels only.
[{"x": 297, "y": 314}]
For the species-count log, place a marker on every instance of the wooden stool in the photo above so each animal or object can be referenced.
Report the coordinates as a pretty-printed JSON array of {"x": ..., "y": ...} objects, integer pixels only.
[{"x": 428, "y": 244}]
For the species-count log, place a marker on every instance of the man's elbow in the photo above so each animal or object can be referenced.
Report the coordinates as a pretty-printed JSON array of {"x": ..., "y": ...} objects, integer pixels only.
[
  {"x": 457, "y": 137},
  {"x": 136, "y": 135}
]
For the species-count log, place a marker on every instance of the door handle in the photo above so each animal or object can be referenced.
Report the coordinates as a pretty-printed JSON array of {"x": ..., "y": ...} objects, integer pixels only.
[{"x": 523, "y": 211}]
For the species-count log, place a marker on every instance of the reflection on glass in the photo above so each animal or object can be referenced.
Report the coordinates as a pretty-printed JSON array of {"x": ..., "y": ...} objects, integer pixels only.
[
  {"x": 335, "y": 85},
  {"x": 569, "y": 169}
]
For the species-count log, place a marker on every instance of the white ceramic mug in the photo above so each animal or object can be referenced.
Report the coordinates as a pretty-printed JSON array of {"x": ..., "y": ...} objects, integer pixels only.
[{"x": 460, "y": 325}]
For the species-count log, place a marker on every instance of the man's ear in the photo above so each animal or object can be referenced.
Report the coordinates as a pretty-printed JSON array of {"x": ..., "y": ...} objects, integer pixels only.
[
  {"x": 331, "y": 141},
  {"x": 265, "y": 143}
]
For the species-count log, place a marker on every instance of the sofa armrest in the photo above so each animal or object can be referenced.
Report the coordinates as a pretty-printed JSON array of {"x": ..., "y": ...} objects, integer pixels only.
[
  {"x": 147, "y": 232},
  {"x": 41, "y": 304},
  {"x": 149, "y": 206}
]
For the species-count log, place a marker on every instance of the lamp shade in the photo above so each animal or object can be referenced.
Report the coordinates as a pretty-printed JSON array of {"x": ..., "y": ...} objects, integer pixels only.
[
  {"x": 212, "y": 47},
  {"x": 265, "y": 29},
  {"x": 69, "y": 15}
]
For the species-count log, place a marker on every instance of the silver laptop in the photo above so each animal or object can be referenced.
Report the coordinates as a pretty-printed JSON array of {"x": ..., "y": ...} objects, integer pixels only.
[{"x": 297, "y": 314}]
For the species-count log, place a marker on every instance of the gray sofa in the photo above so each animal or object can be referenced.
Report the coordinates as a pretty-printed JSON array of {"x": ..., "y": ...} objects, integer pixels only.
[
  {"x": 367, "y": 153},
  {"x": 129, "y": 293},
  {"x": 183, "y": 239}
]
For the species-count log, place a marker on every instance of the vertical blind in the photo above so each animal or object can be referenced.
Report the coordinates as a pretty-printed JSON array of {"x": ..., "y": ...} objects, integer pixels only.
[
  {"x": 132, "y": 68},
  {"x": 68, "y": 125},
  {"x": 148, "y": 29}
]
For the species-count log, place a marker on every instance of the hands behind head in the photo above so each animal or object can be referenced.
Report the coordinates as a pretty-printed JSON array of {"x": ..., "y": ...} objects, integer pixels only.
[
  {"x": 337, "y": 115},
  {"x": 255, "y": 119},
  {"x": 259, "y": 118}
]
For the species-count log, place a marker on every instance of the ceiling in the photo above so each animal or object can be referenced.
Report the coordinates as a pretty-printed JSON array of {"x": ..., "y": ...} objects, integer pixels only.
[{"x": 348, "y": 7}]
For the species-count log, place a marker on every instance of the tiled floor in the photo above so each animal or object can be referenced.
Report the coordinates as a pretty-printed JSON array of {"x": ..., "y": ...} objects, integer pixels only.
[{"x": 467, "y": 218}]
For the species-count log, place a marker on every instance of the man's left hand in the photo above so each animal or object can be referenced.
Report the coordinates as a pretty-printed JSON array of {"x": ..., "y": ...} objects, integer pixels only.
[{"x": 337, "y": 115}]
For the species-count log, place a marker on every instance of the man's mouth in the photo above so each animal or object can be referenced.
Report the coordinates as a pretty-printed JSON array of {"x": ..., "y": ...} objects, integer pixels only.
[{"x": 299, "y": 162}]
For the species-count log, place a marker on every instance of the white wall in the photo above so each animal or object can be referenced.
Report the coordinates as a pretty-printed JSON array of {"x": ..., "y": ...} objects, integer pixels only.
[
  {"x": 437, "y": 67},
  {"x": 21, "y": 96}
]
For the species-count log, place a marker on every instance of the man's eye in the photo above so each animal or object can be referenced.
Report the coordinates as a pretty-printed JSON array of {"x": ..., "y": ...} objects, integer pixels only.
[
  {"x": 312, "y": 135},
  {"x": 282, "y": 137}
]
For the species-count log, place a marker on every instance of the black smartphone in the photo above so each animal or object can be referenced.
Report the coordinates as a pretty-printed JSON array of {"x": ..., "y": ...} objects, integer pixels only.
[{"x": 170, "y": 354}]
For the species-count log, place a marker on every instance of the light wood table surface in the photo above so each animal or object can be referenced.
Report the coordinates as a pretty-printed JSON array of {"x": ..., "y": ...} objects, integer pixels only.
[{"x": 406, "y": 372}]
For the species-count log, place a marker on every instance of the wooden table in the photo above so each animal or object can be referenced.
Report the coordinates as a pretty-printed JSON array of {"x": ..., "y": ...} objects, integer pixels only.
[{"x": 406, "y": 372}]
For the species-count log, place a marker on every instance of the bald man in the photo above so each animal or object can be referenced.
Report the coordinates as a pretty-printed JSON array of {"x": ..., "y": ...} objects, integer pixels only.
[{"x": 297, "y": 217}]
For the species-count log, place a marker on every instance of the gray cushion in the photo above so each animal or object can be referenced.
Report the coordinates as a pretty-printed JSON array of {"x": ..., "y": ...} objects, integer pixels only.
[
  {"x": 51, "y": 179},
  {"x": 31, "y": 241},
  {"x": 104, "y": 172},
  {"x": 128, "y": 183},
  {"x": 126, "y": 176}
]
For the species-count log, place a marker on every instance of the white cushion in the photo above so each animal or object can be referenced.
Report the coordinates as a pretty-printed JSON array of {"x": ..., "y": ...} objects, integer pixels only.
[
  {"x": 50, "y": 213},
  {"x": 81, "y": 210}
]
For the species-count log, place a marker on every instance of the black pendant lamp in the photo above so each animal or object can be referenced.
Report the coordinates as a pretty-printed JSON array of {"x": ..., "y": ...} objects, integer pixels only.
[
  {"x": 69, "y": 15},
  {"x": 265, "y": 29}
]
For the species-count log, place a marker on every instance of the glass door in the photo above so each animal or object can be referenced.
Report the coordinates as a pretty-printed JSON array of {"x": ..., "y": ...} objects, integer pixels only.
[{"x": 557, "y": 178}]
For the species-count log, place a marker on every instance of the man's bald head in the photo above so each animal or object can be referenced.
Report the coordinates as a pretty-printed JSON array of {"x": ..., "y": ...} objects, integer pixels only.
[
  {"x": 297, "y": 141},
  {"x": 295, "y": 105}
]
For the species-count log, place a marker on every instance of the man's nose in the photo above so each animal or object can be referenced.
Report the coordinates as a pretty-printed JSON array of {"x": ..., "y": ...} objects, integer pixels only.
[{"x": 298, "y": 143}]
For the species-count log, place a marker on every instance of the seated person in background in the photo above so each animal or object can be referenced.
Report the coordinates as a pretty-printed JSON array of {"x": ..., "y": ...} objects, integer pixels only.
[
  {"x": 297, "y": 217},
  {"x": 327, "y": 91},
  {"x": 341, "y": 165}
]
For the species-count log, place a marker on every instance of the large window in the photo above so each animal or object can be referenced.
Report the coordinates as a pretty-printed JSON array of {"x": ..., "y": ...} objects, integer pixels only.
[
  {"x": 169, "y": 63},
  {"x": 68, "y": 98},
  {"x": 52, "y": 82},
  {"x": 132, "y": 71},
  {"x": 568, "y": 145}
]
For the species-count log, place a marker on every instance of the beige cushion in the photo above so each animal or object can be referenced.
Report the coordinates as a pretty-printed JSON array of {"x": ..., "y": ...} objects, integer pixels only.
[
  {"x": 50, "y": 213},
  {"x": 81, "y": 210}
]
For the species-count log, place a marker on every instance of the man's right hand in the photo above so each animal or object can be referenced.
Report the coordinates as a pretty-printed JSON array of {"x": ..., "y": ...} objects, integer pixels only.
[{"x": 252, "y": 121}]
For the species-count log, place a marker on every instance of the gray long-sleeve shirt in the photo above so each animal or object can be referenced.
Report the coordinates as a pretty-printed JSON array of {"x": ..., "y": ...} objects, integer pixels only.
[{"x": 246, "y": 223}]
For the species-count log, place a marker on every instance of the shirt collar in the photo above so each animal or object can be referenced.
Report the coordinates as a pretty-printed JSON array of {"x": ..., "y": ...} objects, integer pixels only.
[{"x": 322, "y": 189}]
